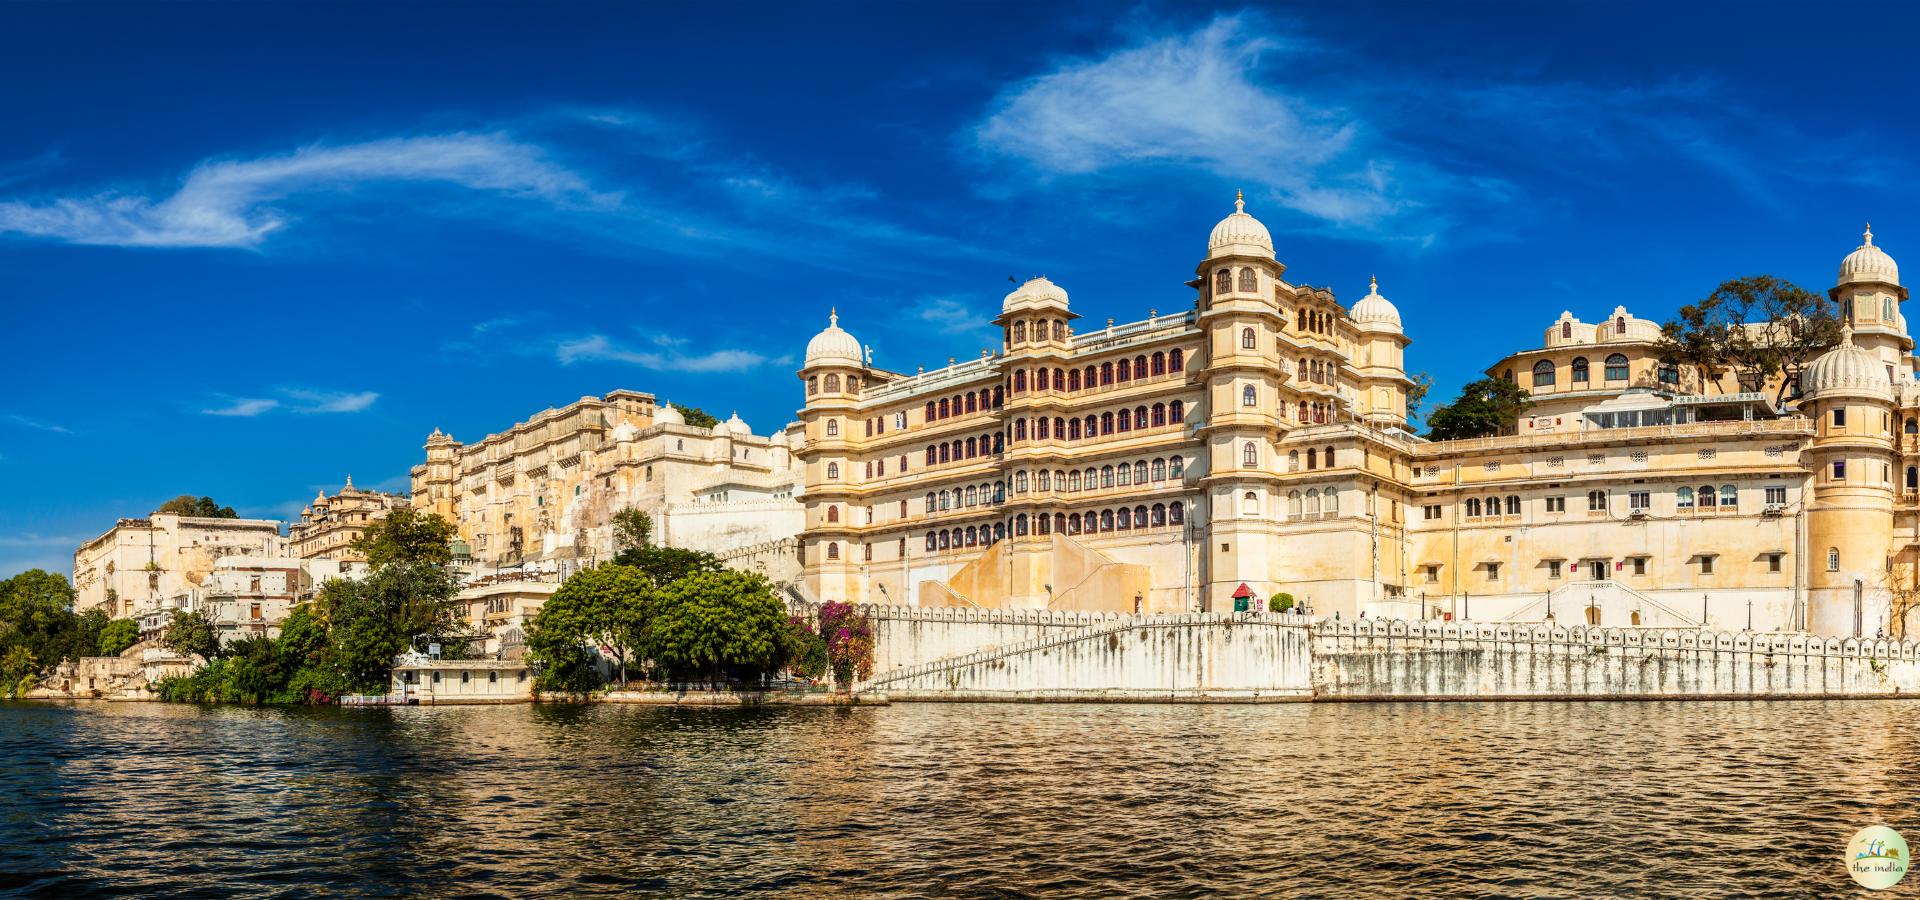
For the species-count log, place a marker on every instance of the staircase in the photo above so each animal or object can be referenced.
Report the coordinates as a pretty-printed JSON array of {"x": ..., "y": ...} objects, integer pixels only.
[{"x": 1569, "y": 603}]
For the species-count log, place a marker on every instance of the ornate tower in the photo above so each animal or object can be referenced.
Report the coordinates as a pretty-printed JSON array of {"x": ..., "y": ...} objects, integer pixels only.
[
  {"x": 1869, "y": 294},
  {"x": 833, "y": 373},
  {"x": 1381, "y": 360},
  {"x": 1243, "y": 375},
  {"x": 1850, "y": 519}
]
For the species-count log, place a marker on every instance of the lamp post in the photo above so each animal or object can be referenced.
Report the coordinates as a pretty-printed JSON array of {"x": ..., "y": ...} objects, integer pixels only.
[
  {"x": 1749, "y": 613},
  {"x": 1703, "y": 609}
]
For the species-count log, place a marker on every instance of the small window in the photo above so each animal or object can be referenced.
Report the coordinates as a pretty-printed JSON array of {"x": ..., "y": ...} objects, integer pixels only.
[
  {"x": 1833, "y": 559},
  {"x": 1773, "y": 562},
  {"x": 1580, "y": 370},
  {"x": 1553, "y": 568},
  {"x": 1639, "y": 565},
  {"x": 1433, "y": 574},
  {"x": 1543, "y": 374},
  {"x": 1556, "y": 504},
  {"x": 1430, "y": 511},
  {"x": 1839, "y": 470},
  {"x": 1777, "y": 494},
  {"x": 1706, "y": 565},
  {"x": 1247, "y": 339},
  {"x": 833, "y": 550},
  {"x": 1493, "y": 571},
  {"x": 1639, "y": 499},
  {"x": 1249, "y": 397},
  {"x": 1839, "y": 417},
  {"x": 1249, "y": 456},
  {"x": 1597, "y": 501},
  {"x": 1617, "y": 367}
]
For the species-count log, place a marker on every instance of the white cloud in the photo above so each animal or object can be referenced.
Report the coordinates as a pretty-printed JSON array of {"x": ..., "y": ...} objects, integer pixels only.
[
  {"x": 243, "y": 407},
  {"x": 226, "y": 203},
  {"x": 329, "y": 402},
  {"x": 1192, "y": 99},
  {"x": 667, "y": 358},
  {"x": 949, "y": 315},
  {"x": 36, "y": 424}
]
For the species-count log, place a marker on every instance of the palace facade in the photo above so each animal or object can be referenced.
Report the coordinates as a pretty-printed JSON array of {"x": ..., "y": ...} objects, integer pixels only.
[
  {"x": 540, "y": 496},
  {"x": 1258, "y": 439},
  {"x": 329, "y": 525}
]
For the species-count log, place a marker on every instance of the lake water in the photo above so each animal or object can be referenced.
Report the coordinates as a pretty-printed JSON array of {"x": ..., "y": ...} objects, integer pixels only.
[{"x": 1553, "y": 799}]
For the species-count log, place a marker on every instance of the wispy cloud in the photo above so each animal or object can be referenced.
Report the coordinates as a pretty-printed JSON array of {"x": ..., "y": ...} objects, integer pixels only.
[
  {"x": 667, "y": 354},
  {"x": 949, "y": 315},
  {"x": 298, "y": 400},
  {"x": 331, "y": 402},
  {"x": 243, "y": 407},
  {"x": 228, "y": 203},
  {"x": 35, "y": 424}
]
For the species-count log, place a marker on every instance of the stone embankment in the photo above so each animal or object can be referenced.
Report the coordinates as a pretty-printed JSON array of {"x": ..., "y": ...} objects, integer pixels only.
[{"x": 1036, "y": 655}]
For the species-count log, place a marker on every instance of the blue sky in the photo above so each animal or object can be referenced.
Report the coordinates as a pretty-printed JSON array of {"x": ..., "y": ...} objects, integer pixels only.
[{"x": 246, "y": 250}]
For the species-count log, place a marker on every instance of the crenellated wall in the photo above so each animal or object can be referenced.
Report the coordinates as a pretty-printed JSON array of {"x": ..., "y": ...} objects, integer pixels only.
[{"x": 969, "y": 654}]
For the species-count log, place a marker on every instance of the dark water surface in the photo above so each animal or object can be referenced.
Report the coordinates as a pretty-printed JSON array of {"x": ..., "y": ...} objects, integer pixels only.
[{"x": 1538, "y": 799}]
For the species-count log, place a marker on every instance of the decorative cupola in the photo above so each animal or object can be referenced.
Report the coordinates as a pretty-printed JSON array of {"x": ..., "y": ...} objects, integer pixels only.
[
  {"x": 1846, "y": 370},
  {"x": 1239, "y": 234},
  {"x": 1868, "y": 263},
  {"x": 1375, "y": 310}
]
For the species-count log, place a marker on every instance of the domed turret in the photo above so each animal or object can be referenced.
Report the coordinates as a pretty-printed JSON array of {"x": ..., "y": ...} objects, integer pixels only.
[
  {"x": 1846, "y": 369},
  {"x": 834, "y": 346},
  {"x": 736, "y": 426},
  {"x": 1036, "y": 292},
  {"x": 1869, "y": 263},
  {"x": 1374, "y": 309},
  {"x": 1239, "y": 234},
  {"x": 624, "y": 432},
  {"x": 668, "y": 414}
]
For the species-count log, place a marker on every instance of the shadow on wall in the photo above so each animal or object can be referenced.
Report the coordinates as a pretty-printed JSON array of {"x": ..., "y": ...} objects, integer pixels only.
[{"x": 1044, "y": 572}]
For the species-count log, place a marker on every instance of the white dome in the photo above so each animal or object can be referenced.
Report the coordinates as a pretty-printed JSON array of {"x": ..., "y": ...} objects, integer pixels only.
[
  {"x": 834, "y": 346},
  {"x": 1869, "y": 263},
  {"x": 1375, "y": 309},
  {"x": 668, "y": 414},
  {"x": 737, "y": 426},
  {"x": 1240, "y": 234},
  {"x": 779, "y": 439},
  {"x": 624, "y": 432},
  {"x": 1036, "y": 292},
  {"x": 1847, "y": 369}
]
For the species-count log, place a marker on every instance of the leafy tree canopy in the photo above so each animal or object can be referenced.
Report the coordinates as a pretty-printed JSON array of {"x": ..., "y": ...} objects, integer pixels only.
[
  {"x": 665, "y": 565},
  {"x": 1485, "y": 407},
  {"x": 38, "y": 628},
  {"x": 191, "y": 634},
  {"x": 606, "y": 606},
  {"x": 117, "y": 636},
  {"x": 716, "y": 623},
  {"x": 695, "y": 416},
  {"x": 202, "y": 507},
  {"x": 372, "y": 620},
  {"x": 632, "y": 528},
  {"x": 407, "y": 536},
  {"x": 1759, "y": 328}
]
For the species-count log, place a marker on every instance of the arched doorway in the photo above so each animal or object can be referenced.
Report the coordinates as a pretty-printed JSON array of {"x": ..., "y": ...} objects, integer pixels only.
[{"x": 1593, "y": 615}]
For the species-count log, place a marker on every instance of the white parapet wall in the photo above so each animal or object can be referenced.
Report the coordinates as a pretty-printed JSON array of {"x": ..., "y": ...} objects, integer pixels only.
[
  {"x": 940, "y": 654},
  {"x": 1174, "y": 656}
]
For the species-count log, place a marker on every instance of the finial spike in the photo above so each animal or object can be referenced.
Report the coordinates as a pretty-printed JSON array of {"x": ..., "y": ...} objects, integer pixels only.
[
  {"x": 1373, "y": 283},
  {"x": 833, "y": 316},
  {"x": 1869, "y": 234},
  {"x": 1239, "y": 201}
]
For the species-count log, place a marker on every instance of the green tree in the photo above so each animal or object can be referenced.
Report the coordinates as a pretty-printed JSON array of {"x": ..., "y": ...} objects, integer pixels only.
[
  {"x": 1759, "y": 328},
  {"x": 201, "y": 507},
  {"x": 88, "y": 627},
  {"x": 1417, "y": 396},
  {"x": 632, "y": 529},
  {"x": 717, "y": 623},
  {"x": 665, "y": 565},
  {"x": 191, "y": 634},
  {"x": 372, "y": 620},
  {"x": 37, "y": 628},
  {"x": 1280, "y": 602},
  {"x": 406, "y": 536},
  {"x": 605, "y": 606},
  {"x": 1486, "y": 407},
  {"x": 695, "y": 416},
  {"x": 117, "y": 636},
  {"x": 809, "y": 649}
]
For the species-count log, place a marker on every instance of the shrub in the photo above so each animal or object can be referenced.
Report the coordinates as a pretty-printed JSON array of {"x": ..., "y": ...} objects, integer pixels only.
[{"x": 1280, "y": 602}]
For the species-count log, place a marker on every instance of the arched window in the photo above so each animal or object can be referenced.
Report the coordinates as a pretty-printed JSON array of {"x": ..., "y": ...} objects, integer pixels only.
[
  {"x": 1159, "y": 363},
  {"x": 1073, "y": 380},
  {"x": 1020, "y": 331},
  {"x": 1073, "y": 480},
  {"x": 1579, "y": 370},
  {"x": 1159, "y": 414},
  {"x": 1073, "y": 429},
  {"x": 833, "y": 513},
  {"x": 1729, "y": 496},
  {"x": 933, "y": 456},
  {"x": 1059, "y": 427},
  {"x": 1313, "y": 458},
  {"x": 1250, "y": 504},
  {"x": 973, "y": 496},
  {"x": 1019, "y": 429},
  {"x": 1683, "y": 498},
  {"x": 1708, "y": 498},
  {"x": 1333, "y": 501},
  {"x": 945, "y": 409},
  {"x": 1249, "y": 397},
  {"x": 1125, "y": 421},
  {"x": 1043, "y": 524},
  {"x": 1093, "y": 376},
  {"x": 932, "y": 542},
  {"x": 1223, "y": 281},
  {"x": 1059, "y": 330},
  {"x": 946, "y": 540},
  {"x": 1020, "y": 525},
  {"x": 1473, "y": 507},
  {"x": 833, "y": 383},
  {"x": 1248, "y": 283},
  {"x": 1176, "y": 466},
  {"x": 1566, "y": 330},
  {"x": 1833, "y": 559},
  {"x": 1174, "y": 363},
  {"x": 1106, "y": 373},
  {"x": 946, "y": 453},
  {"x": 1597, "y": 501},
  {"x": 1106, "y": 476},
  {"x": 833, "y": 470},
  {"x": 930, "y": 414},
  {"x": 999, "y": 397},
  {"x": 1140, "y": 366},
  {"x": 1140, "y": 472},
  {"x": 1177, "y": 412},
  {"x": 1247, "y": 339},
  {"x": 1249, "y": 455},
  {"x": 1327, "y": 455},
  {"x": 973, "y": 403},
  {"x": 1543, "y": 374},
  {"x": 1159, "y": 514},
  {"x": 1617, "y": 367},
  {"x": 1123, "y": 475},
  {"x": 1106, "y": 520},
  {"x": 946, "y": 500},
  {"x": 1293, "y": 460},
  {"x": 1304, "y": 415},
  {"x": 1106, "y": 423},
  {"x": 1159, "y": 470},
  {"x": 1139, "y": 417},
  {"x": 973, "y": 536},
  {"x": 813, "y": 384},
  {"x": 1513, "y": 504},
  {"x": 1293, "y": 504},
  {"x": 1313, "y": 501},
  {"x": 972, "y": 448},
  {"x": 930, "y": 502},
  {"x": 833, "y": 550},
  {"x": 1620, "y": 325},
  {"x": 1093, "y": 427}
]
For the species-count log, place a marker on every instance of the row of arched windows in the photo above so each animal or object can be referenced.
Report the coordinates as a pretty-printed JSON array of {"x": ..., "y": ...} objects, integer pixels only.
[
  {"x": 986, "y": 444},
  {"x": 1315, "y": 371},
  {"x": 1617, "y": 369},
  {"x": 1686, "y": 498},
  {"x": 960, "y": 405},
  {"x": 1018, "y": 331},
  {"x": 1102, "y": 424},
  {"x": 970, "y": 536},
  {"x": 1116, "y": 475},
  {"x": 1492, "y": 507},
  {"x": 1314, "y": 456},
  {"x": 967, "y": 497},
  {"x": 1313, "y": 503},
  {"x": 1318, "y": 412},
  {"x": 832, "y": 384},
  {"x": 1314, "y": 321},
  {"x": 1223, "y": 281},
  {"x": 1106, "y": 373}
]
